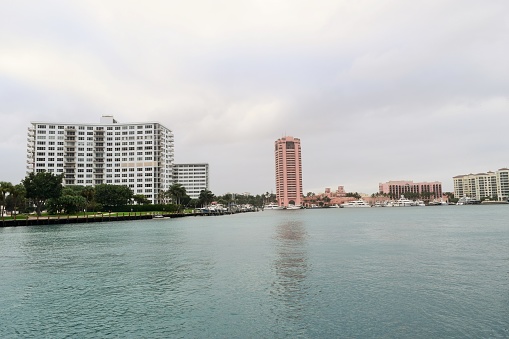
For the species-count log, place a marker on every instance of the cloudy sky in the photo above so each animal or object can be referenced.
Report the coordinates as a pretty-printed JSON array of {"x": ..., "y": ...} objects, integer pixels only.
[{"x": 376, "y": 90}]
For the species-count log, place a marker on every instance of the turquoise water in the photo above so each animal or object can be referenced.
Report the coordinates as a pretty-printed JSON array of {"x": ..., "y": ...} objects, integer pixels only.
[{"x": 326, "y": 273}]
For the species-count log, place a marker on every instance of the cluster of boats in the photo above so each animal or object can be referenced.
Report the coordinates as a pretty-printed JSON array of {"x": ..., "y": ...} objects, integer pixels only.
[
  {"x": 220, "y": 209},
  {"x": 468, "y": 201},
  {"x": 402, "y": 202}
]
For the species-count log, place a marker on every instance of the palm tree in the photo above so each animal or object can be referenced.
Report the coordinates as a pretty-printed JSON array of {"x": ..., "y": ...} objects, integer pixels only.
[
  {"x": 88, "y": 193},
  {"x": 177, "y": 191},
  {"x": 206, "y": 197},
  {"x": 17, "y": 193},
  {"x": 5, "y": 187}
]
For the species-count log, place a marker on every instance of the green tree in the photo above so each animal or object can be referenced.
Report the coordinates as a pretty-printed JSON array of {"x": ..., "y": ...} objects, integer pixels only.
[
  {"x": 15, "y": 199},
  {"x": 193, "y": 203},
  {"x": 5, "y": 187},
  {"x": 354, "y": 195},
  {"x": 42, "y": 186},
  {"x": 164, "y": 196},
  {"x": 206, "y": 197},
  {"x": 88, "y": 193},
  {"x": 113, "y": 195},
  {"x": 140, "y": 199},
  {"x": 177, "y": 192},
  {"x": 68, "y": 204}
]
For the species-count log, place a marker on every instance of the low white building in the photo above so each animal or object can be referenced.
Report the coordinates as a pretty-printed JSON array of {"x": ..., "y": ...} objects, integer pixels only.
[
  {"x": 138, "y": 155},
  {"x": 193, "y": 177}
]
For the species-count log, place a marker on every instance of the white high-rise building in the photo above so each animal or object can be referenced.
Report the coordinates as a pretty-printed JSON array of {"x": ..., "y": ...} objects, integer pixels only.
[
  {"x": 483, "y": 185},
  {"x": 193, "y": 177},
  {"x": 138, "y": 155}
]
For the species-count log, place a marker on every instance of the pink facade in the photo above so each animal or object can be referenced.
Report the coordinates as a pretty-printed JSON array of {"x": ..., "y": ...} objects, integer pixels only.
[
  {"x": 427, "y": 190},
  {"x": 328, "y": 198},
  {"x": 288, "y": 171}
]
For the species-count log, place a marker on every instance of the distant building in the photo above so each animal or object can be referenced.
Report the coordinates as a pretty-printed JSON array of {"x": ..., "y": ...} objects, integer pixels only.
[
  {"x": 288, "y": 171},
  {"x": 483, "y": 185},
  {"x": 426, "y": 190},
  {"x": 137, "y": 155},
  {"x": 327, "y": 198},
  {"x": 193, "y": 177}
]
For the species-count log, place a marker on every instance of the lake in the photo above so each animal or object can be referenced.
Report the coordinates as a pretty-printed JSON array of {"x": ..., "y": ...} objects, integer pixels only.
[{"x": 416, "y": 272}]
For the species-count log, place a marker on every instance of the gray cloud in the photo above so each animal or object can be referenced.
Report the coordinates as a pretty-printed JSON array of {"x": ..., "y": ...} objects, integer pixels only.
[{"x": 375, "y": 90}]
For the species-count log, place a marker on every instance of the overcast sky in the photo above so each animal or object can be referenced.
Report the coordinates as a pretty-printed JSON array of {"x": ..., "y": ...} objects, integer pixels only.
[{"x": 376, "y": 90}]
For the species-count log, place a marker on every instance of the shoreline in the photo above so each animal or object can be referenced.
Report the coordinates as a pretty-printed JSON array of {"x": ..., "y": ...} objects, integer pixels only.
[{"x": 120, "y": 216}]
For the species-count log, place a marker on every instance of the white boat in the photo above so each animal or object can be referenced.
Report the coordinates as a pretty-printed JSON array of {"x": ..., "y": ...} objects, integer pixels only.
[
  {"x": 293, "y": 207},
  {"x": 419, "y": 203},
  {"x": 468, "y": 201},
  {"x": 403, "y": 202},
  {"x": 356, "y": 203},
  {"x": 334, "y": 206},
  {"x": 273, "y": 206}
]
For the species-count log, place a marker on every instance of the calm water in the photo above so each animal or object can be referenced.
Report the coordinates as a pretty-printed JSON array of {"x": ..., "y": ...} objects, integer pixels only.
[{"x": 387, "y": 272}]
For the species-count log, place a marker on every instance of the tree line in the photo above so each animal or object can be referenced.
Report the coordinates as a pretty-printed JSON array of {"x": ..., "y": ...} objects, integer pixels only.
[{"x": 44, "y": 191}]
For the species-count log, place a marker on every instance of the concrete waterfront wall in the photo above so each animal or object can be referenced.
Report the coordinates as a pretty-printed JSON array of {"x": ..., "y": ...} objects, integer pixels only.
[{"x": 71, "y": 220}]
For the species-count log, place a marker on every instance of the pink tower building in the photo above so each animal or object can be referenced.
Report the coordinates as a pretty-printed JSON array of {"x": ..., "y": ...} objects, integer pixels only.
[{"x": 288, "y": 171}]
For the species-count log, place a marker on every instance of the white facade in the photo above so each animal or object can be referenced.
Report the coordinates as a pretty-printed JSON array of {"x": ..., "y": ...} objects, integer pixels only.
[
  {"x": 193, "y": 177},
  {"x": 483, "y": 185},
  {"x": 138, "y": 155}
]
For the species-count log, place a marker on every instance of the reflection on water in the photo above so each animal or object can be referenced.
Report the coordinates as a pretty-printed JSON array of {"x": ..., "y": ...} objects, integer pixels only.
[
  {"x": 289, "y": 288},
  {"x": 383, "y": 273}
]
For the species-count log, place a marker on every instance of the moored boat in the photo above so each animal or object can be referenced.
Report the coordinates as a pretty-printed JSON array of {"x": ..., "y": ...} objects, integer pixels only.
[
  {"x": 356, "y": 203},
  {"x": 273, "y": 206},
  {"x": 403, "y": 202}
]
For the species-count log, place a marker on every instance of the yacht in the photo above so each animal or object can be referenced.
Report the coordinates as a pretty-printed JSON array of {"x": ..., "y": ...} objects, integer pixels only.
[
  {"x": 273, "y": 206},
  {"x": 356, "y": 203},
  {"x": 403, "y": 202},
  {"x": 419, "y": 203},
  {"x": 293, "y": 207},
  {"x": 468, "y": 201},
  {"x": 438, "y": 203}
]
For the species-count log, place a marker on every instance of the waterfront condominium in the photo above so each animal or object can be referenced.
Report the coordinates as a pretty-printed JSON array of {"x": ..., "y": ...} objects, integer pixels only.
[
  {"x": 193, "y": 177},
  {"x": 288, "y": 171},
  {"x": 425, "y": 190},
  {"x": 138, "y": 155},
  {"x": 483, "y": 185}
]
